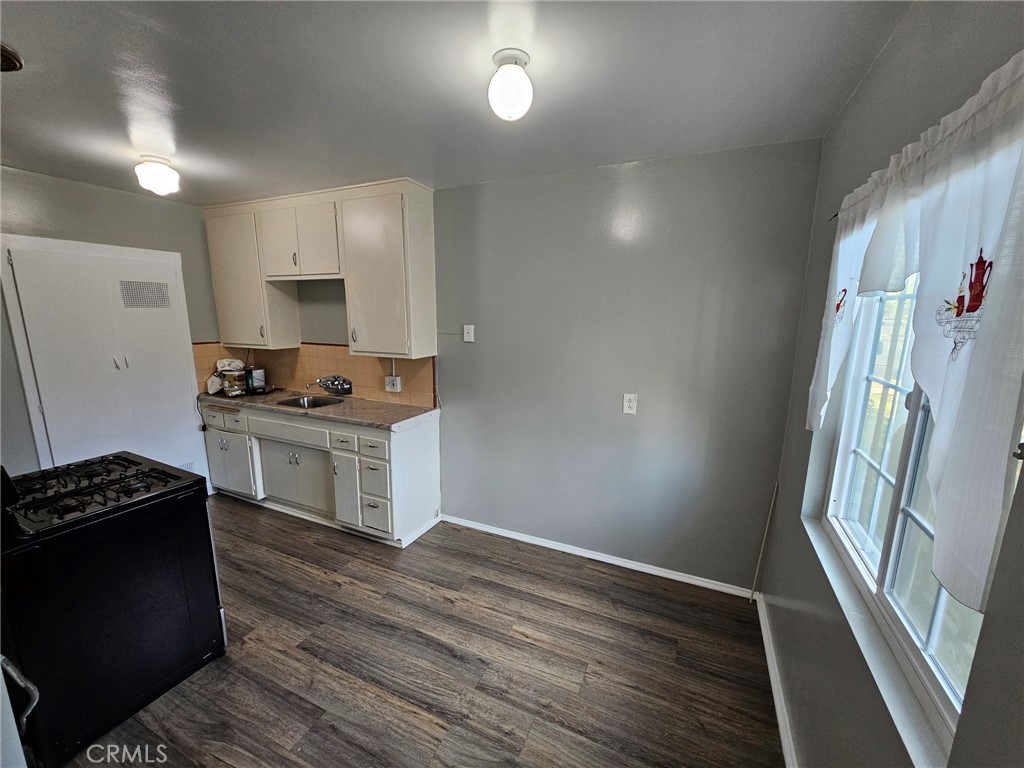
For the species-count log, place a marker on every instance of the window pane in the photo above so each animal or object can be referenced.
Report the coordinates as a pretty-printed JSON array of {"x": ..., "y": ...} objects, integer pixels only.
[
  {"x": 915, "y": 589},
  {"x": 899, "y": 423},
  {"x": 877, "y": 414},
  {"x": 861, "y": 494},
  {"x": 880, "y": 522},
  {"x": 954, "y": 647},
  {"x": 892, "y": 337},
  {"x": 921, "y": 498}
]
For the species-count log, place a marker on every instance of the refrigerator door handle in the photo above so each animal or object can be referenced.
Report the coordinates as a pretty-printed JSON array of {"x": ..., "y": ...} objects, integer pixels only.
[{"x": 30, "y": 689}]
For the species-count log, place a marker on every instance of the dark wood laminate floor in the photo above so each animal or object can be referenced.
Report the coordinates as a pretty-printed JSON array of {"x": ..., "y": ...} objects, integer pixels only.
[{"x": 465, "y": 649}]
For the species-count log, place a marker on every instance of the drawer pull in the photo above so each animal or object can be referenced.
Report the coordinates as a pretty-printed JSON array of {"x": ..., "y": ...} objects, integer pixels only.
[
  {"x": 374, "y": 469},
  {"x": 371, "y": 445},
  {"x": 335, "y": 468},
  {"x": 342, "y": 441},
  {"x": 371, "y": 505}
]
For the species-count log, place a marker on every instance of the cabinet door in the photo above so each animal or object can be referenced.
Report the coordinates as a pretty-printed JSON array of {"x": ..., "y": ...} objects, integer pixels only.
[
  {"x": 315, "y": 479},
  {"x": 318, "y": 239},
  {"x": 215, "y": 457},
  {"x": 238, "y": 464},
  {"x": 65, "y": 304},
  {"x": 279, "y": 478},
  {"x": 237, "y": 282},
  {"x": 346, "y": 488},
  {"x": 279, "y": 243},
  {"x": 375, "y": 290},
  {"x": 147, "y": 307}
]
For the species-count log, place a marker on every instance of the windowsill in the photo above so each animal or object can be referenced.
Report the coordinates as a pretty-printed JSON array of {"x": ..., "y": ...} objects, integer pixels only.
[{"x": 922, "y": 742}]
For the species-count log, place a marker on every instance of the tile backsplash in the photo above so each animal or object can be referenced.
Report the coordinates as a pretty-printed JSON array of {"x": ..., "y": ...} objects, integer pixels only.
[{"x": 294, "y": 368}]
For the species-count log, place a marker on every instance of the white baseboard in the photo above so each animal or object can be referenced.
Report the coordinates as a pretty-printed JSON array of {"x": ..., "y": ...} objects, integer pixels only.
[
  {"x": 633, "y": 565},
  {"x": 407, "y": 540},
  {"x": 781, "y": 712}
]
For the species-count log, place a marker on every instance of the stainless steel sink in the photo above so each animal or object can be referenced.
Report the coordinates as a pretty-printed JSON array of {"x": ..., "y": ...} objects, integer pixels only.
[{"x": 311, "y": 401}]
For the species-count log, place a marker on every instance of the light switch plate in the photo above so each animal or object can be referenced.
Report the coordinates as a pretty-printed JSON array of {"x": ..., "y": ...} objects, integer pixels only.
[
  {"x": 468, "y": 333},
  {"x": 629, "y": 404},
  {"x": 392, "y": 383}
]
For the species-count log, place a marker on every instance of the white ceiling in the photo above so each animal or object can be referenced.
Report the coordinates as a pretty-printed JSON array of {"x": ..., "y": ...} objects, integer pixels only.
[{"x": 256, "y": 99}]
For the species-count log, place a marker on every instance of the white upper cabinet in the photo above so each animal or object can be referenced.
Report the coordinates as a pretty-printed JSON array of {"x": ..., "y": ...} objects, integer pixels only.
[
  {"x": 378, "y": 237},
  {"x": 250, "y": 312},
  {"x": 375, "y": 295},
  {"x": 278, "y": 241},
  {"x": 389, "y": 272},
  {"x": 299, "y": 241}
]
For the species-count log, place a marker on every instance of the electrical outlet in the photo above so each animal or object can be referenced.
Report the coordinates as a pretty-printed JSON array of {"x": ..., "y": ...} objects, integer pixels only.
[
  {"x": 629, "y": 404},
  {"x": 392, "y": 383},
  {"x": 469, "y": 333}
]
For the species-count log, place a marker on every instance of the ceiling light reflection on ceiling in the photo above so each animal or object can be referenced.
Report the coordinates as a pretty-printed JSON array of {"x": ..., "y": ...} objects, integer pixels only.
[
  {"x": 156, "y": 175},
  {"x": 510, "y": 93}
]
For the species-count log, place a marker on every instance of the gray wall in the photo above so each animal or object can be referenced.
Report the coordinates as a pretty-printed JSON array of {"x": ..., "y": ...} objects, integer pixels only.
[
  {"x": 678, "y": 280},
  {"x": 938, "y": 57},
  {"x": 322, "y": 317},
  {"x": 44, "y": 206}
]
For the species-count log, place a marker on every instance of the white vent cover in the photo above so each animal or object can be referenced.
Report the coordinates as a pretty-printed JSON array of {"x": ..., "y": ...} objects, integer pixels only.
[
  {"x": 140, "y": 294},
  {"x": 190, "y": 466}
]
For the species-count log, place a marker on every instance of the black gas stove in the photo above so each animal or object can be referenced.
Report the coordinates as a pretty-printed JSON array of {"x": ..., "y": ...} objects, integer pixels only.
[
  {"x": 108, "y": 594},
  {"x": 65, "y": 496}
]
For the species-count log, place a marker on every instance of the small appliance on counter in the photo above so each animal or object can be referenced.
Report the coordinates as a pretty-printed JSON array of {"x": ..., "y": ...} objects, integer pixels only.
[
  {"x": 108, "y": 595},
  {"x": 234, "y": 378},
  {"x": 335, "y": 385}
]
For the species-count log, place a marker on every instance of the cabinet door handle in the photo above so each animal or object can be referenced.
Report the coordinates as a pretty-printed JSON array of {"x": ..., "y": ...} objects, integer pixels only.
[
  {"x": 291, "y": 457},
  {"x": 295, "y": 259},
  {"x": 371, "y": 505},
  {"x": 126, "y": 366},
  {"x": 335, "y": 467},
  {"x": 262, "y": 335},
  {"x": 374, "y": 469},
  {"x": 353, "y": 334},
  {"x": 118, "y": 367},
  {"x": 296, "y": 458}
]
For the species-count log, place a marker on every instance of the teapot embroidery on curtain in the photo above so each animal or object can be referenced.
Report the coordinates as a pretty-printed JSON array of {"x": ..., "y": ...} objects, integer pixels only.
[
  {"x": 960, "y": 319},
  {"x": 840, "y": 306}
]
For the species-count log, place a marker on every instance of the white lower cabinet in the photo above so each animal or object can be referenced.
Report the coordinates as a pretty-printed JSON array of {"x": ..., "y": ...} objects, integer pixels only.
[
  {"x": 346, "y": 488},
  {"x": 298, "y": 474},
  {"x": 230, "y": 458},
  {"x": 377, "y": 482}
]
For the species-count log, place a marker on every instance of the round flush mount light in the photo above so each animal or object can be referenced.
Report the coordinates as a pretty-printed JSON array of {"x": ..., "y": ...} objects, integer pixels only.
[
  {"x": 10, "y": 59},
  {"x": 510, "y": 93},
  {"x": 156, "y": 175}
]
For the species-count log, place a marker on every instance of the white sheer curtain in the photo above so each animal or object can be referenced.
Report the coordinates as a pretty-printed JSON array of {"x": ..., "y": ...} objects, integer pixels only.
[{"x": 949, "y": 207}]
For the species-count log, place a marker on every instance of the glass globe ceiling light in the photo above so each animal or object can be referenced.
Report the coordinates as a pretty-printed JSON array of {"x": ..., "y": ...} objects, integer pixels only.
[
  {"x": 156, "y": 175},
  {"x": 510, "y": 93}
]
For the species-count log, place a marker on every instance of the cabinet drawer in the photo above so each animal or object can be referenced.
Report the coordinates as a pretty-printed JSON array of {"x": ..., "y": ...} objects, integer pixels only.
[
  {"x": 371, "y": 446},
  {"x": 376, "y": 514},
  {"x": 235, "y": 422},
  {"x": 343, "y": 441},
  {"x": 373, "y": 478},
  {"x": 290, "y": 433},
  {"x": 214, "y": 418}
]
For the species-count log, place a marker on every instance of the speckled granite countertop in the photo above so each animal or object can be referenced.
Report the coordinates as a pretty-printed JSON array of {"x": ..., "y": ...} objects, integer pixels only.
[{"x": 354, "y": 410}]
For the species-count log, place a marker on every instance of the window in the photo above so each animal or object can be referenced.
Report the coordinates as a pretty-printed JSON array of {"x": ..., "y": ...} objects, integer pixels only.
[{"x": 880, "y": 513}]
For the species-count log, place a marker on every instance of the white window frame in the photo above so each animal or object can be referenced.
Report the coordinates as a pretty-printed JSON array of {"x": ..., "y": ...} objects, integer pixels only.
[{"x": 938, "y": 700}]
